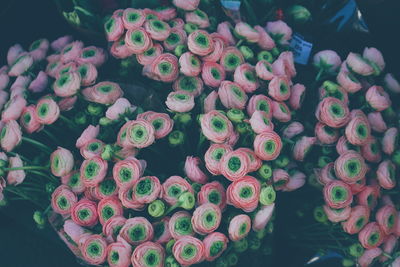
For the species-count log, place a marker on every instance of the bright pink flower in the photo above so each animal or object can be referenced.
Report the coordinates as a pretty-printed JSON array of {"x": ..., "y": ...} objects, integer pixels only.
[
  {"x": 264, "y": 70},
  {"x": 114, "y": 28},
  {"x": 332, "y": 112},
  {"x": 62, "y": 200},
  {"x": 67, "y": 84},
  {"x": 212, "y": 74},
  {"x": 93, "y": 171},
  {"x": 259, "y": 102},
  {"x": 198, "y": 18},
  {"x": 371, "y": 150},
  {"x": 386, "y": 217},
  {"x": 214, "y": 193},
  {"x": 94, "y": 55},
  {"x": 103, "y": 93},
  {"x": 219, "y": 45},
  {"x": 358, "y": 130},
  {"x": 93, "y": 249},
  {"x": 62, "y": 162},
  {"x": 177, "y": 37},
  {"x": 293, "y": 129},
  {"x": 136, "y": 231},
  {"x": 358, "y": 218},
  {"x": 71, "y": 51},
  {"x": 164, "y": 68},
  {"x": 180, "y": 101},
  {"x": 280, "y": 179},
  {"x": 157, "y": 29},
  {"x": 260, "y": 122},
  {"x": 369, "y": 256},
  {"x": 119, "y": 254},
  {"x": 279, "y": 89},
  {"x": 280, "y": 111},
  {"x": 29, "y": 120},
  {"x": 234, "y": 164},
  {"x": 173, "y": 187},
  {"x": 267, "y": 145},
  {"x": 337, "y": 215},
  {"x": 109, "y": 207},
  {"x": 213, "y": 157},
  {"x": 133, "y": 18},
  {"x": 232, "y": 95},
  {"x": 210, "y": 102}
]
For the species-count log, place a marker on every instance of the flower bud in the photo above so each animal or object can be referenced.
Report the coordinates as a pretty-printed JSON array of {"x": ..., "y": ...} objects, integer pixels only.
[
  {"x": 104, "y": 121},
  {"x": 50, "y": 187},
  {"x": 242, "y": 128},
  {"x": 80, "y": 118},
  {"x": 176, "y": 138},
  {"x": 156, "y": 208},
  {"x": 248, "y": 54},
  {"x": 319, "y": 215},
  {"x": 267, "y": 195},
  {"x": 282, "y": 161},
  {"x": 187, "y": 200},
  {"x": 179, "y": 50},
  {"x": 107, "y": 153},
  {"x": 183, "y": 118},
  {"x": 323, "y": 160},
  {"x": 39, "y": 218},
  {"x": 232, "y": 259},
  {"x": 254, "y": 244},
  {"x": 347, "y": 263},
  {"x": 221, "y": 262},
  {"x": 299, "y": 14},
  {"x": 235, "y": 115},
  {"x": 190, "y": 27},
  {"x": 241, "y": 245},
  {"x": 265, "y": 55},
  {"x": 265, "y": 172},
  {"x": 170, "y": 261},
  {"x": 94, "y": 109},
  {"x": 169, "y": 245},
  {"x": 356, "y": 250}
]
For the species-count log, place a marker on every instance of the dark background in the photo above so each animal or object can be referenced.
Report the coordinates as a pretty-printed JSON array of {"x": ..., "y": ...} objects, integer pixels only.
[{"x": 23, "y": 21}]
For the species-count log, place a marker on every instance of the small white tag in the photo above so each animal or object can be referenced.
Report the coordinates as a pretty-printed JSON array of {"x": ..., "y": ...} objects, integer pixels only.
[{"x": 301, "y": 49}]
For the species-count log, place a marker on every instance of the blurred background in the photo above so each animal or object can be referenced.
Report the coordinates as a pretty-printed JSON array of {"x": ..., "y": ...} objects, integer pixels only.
[{"x": 23, "y": 245}]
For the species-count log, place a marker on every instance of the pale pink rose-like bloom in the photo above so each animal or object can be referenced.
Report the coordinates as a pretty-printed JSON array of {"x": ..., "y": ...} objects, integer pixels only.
[
  {"x": 58, "y": 44},
  {"x": 359, "y": 216},
  {"x": 162, "y": 123},
  {"x": 122, "y": 250},
  {"x": 296, "y": 181},
  {"x": 347, "y": 80},
  {"x": 53, "y": 58},
  {"x": 176, "y": 33},
  {"x": 187, "y": 5},
  {"x": 88, "y": 134},
  {"x": 38, "y": 54},
  {"x": 131, "y": 165},
  {"x": 219, "y": 45},
  {"x": 200, "y": 20},
  {"x": 369, "y": 256},
  {"x": 281, "y": 112},
  {"x": 245, "y": 76},
  {"x": 231, "y": 55},
  {"x": 147, "y": 58},
  {"x": 212, "y": 74},
  {"x": 103, "y": 93},
  {"x": 233, "y": 193},
  {"x": 239, "y": 156},
  {"x": 47, "y": 110},
  {"x": 375, "y": 56},
  {"x": 65, "y": 193},
  {"x": 329, "y": 189},
  {"x": 391, "y": 83},
  {"x": 326, "y": 134},
  {"x": 371, "y": 150},
  {"x": 120, "y": 107},
  {"x": 13, "y": 53},
  {"x": 96, "y": 259},
  {"x": 21, "y": 65},
  {"x": 358, "y": 130},
  {"x": 279, "y": 89},
  {"x": 180, "y": 101},
  {"x": 156, "y": 34},
  {"x": 265, "y": 41},
  {"x": 92, "y": 54},
  {"x": 386, "y": 174},
  {"x": 154, "y": 182},
  {"x": 279, "y": 31},
  {"x": 73, "y": 230},
  {"x": 181, "y": 243},
  {"x": 293, "y": 129},
  {"x": 260, "y": 122},
  {"x": 386, "y": 217},
  {"x": 199, "y": 222},
  {"x": 296, "y": 97},
  {"x": 177, "y": 182},
  {"x": 232, "y": 95},
  {"x": 29, "y": 119},
  {"x": 97, "y": 177},
  {"x": 14, "y": 108},
  {"x": 365, "y": 234},
  {"x": 52, "y": 69},
  {"x": 67, "y": 103},
  {"x": 247, "y": 32},
  {"x": 215, "y": 119},
  {"x": 239, "y": 227},
  {"x": 141, "y": 252},
  {"x": 167, "y": 13},
  {"x": 4, "y": 80},
  {"x": 198, "y": 49},
  {"x": 120, "y": 50},
  {"x": 210, "y": 101},
  {"x": 328, "y": 60},
  {"x": 62, "y": 162},
  {"x": 88, "y": 74},
  {"x": 153, "y": 70},
  {"x": 177, "y": 23},
  {"x": 288, "y": 67},
  {"x": 213, "y": 157},
  {"x": 377, "y": 122},
  {"x": 359, "y": 65},
  {"x": 71, "y": 51},
  {"x": 330, "y": 105},
  {"x": 337, "y": 215},
  {"x": 67, "y": 84},
  {"x": 388, "y": 247},
  {"x": 193, "y": 171},
  {"x": 224, "y": 29},
  {"x": 233, "y": 138},
  {"x": 17, "y": 92},
  {"x": 40, "y": 83},
  {"x": 133, "y": 18},
  {"x": 270, "y": 139},
  {"x": 18, "y": 176},
  {"x": 262, "y": 217},
  {"x": 377, "y": 98},
  {"x": 264, "y": 70},
  {"x": 369, "y": 196},
  {"x": 190, "y": 65},
  {"x": 114, "y": 28},
  {"x": 342, "y": 168},
  {"x": 194, "y": 84},
  {"x": 165, "y": 235},
  {"x": 280, "y": 178},
  {"x": 21, "y": 81},
  {"x": 207, "y": 191},
  {"x": 390, "y": 140},
  {"x": 210, "y": 240},
  {"x": 11, "y": 135}
]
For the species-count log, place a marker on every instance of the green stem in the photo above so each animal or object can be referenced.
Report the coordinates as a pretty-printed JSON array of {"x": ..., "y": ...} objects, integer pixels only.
[
  {"x": 50, "y": 177},
  {"x": 26, "y": 168},
  {"x": 200, "y": 143},
  {"x": 52, "y": 137},
  {"x": 37, "y": 144},
  {"x": 320, "y": 72},
  {"x": 23, "y": 196}
]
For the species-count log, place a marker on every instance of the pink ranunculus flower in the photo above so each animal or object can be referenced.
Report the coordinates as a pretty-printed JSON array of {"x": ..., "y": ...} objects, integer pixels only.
[
  {"x": 201, "y": 49},
  {"x": 337, "y": 194},
  {"x": 58, "y": 44},
  {"x": 391, "y": 83},
  {"x": 201, "y": 214},
  {"x": 187, "y": 5},
  {"x": 120, "y": 107},
  {"x": 377, "y": 122},
  {"x": 40, "y": 83},
  {"x": 377, "y": 98},
  {"x": 13, "y": 53},
  {"x": 247, "y": 32},
  {"x": 390, "y": 140},
  {"x": 262, "y": 217},
  {"x": 245, "y": 76},
  {"x": 224, "y": 29},
  {"x": 265, "y": 41},
  {"x": 193, "y": 171},
  {"x": 190, "y": 65},
  {"x": 216, "y": 127},
  {"x": 264, "y": 70},
  {"x": 371, "y": 229},
  {"x": 15, "y": 177},
  {"x": 4, "y": 80},
  {"x": 279, "y": 31},
  {"x": 374, "y": 56},
  {"x": 337, "y": 215},
  {"x": 20, "y": 65},
  {"x": 180, "y": 101},
  {"x": 210, "y": 101},
  {"x": 297, "y": 96},
  {"x": 198, "y": 18},
  {"x": 103, "y": 93},
  {"x": 71, "y": 52},
  {"x": 14, "y": 108},
  {"x": 369, "y": 256},
  {"x": 47, "y": 110},
  {"x": 11, "y": 135},
  {"x": 260, "y": 122},
  {"x": 327, "y": 60},
  {"x": 239, "y": 227},
  {"x": 210, "y": 240},
  {"x": 142, "y": 253},
  {"x": 359, "y": 65},
  {"x": 62, "y": 162},
  {"x": 293, "y": 129},
  {"x": 244, "y": 193}
]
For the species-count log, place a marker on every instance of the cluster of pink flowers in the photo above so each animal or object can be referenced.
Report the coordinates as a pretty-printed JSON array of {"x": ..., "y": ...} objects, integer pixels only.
[{"x": 358, "y": 169}]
